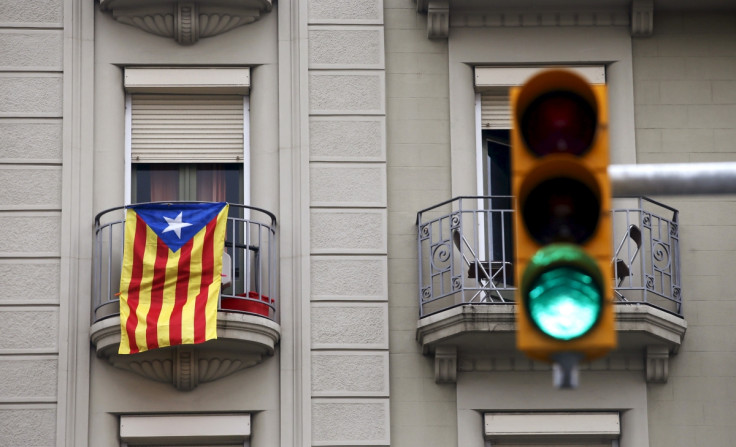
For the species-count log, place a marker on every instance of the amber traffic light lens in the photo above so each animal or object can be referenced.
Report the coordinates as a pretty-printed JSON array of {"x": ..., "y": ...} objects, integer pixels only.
[
  {"x": 561, "y": 210},
  {"x": 559, "y": 122}
]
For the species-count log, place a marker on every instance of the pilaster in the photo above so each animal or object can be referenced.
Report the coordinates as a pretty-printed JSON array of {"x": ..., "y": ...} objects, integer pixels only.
[{"x": 348, "y": 224}]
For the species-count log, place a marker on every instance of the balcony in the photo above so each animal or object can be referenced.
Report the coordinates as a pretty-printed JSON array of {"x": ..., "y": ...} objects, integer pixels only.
[
  {"x": 466, "y": 284},
  {"x": 247, "y": 327}
]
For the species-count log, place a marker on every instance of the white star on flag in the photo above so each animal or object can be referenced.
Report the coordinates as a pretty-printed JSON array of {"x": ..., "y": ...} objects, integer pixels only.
[{"x": 175, "y": 225}]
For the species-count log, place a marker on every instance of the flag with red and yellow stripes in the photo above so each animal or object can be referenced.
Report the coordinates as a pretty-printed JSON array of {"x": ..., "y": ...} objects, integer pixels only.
[{"x": 171, "y": 274}]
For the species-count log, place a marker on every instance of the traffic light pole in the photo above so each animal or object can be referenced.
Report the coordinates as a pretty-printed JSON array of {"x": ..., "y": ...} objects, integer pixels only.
[{"x": 669, "y": 179}]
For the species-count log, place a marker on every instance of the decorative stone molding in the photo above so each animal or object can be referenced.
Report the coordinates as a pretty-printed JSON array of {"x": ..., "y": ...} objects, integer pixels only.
[
  {"x": 445, "y": 364},
  {"x": 438, "y": 18},
  {"x": 642, "y": 18},
  {"x": 186, "y": 367},
  {"x": 481, "y": 338},
  {"x": 242, "y": 341},
  {"x": 186, "y": 21},
  {"x": 515, "y": 19},
  {"x": 505, "y": 362},
  {"x": 657, "y": 364}
]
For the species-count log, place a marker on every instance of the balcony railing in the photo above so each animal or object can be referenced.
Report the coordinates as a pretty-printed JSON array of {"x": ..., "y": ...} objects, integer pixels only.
[
  {"x": 249, "y": 262},
  {"x": 466, "y": 254}
]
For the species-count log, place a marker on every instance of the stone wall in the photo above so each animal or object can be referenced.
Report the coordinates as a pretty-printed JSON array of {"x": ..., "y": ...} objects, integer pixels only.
[
  {"x": 348, "y": 222},
  {"x": 31, "y": 80},
  {"x": 685, "y": 86},
  {"x": 423, "y": 413}
]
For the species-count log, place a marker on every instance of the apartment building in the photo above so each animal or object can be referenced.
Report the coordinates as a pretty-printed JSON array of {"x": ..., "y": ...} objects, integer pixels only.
[{"x": 368, "y": 284}]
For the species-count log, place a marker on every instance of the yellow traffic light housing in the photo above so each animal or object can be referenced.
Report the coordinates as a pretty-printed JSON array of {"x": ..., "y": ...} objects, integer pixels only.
[{"x": 562, "y": 217}]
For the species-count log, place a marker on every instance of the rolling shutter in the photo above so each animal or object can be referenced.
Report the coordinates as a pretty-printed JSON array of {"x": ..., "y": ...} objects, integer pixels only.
[
  {"x": 186, "y": 128},
  {"x": 493, "y": 83},
  {"x": 495, "y": 110}
]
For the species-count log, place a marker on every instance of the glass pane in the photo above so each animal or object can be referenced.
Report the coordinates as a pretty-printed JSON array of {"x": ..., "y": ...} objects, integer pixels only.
[
  {"x": 201, "y": 182},
  {"x": 497, "y": 172},
  {"x": 218, "y": 183},
  {"x": 156, "y": 182}
]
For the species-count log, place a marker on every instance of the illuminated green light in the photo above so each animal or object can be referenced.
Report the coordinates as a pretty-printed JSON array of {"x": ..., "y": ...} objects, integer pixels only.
[
  {"x": 564, "y": 303},
  {"x": 563, "y": 295}
]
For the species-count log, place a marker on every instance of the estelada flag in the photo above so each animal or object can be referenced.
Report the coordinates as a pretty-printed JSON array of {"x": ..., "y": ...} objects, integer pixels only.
[{"x": 171, "y": 274}]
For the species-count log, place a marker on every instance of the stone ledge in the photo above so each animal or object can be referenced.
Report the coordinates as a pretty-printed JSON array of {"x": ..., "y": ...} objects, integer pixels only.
[
  {"x": 458, "y": 335},
  {"x": 443, "y": 14},
  {"x": 243, "y": 341},
  {"x": 186, "y": 21}
]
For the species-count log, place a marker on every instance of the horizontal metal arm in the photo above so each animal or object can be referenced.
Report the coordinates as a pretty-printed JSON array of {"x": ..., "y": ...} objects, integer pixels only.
[{"x": 669, "y": 179}]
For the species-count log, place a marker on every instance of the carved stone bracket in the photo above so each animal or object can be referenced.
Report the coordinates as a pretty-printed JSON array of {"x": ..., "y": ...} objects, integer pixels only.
[
  {"x": 243, "y": 341},
  {"x": 445, "y": 364},
  {"x": 642, "y": 18},
  {"x": 657, "y": 364},
  {"x": 438, "y": 19},
  {"x": 186, "y": 21}
]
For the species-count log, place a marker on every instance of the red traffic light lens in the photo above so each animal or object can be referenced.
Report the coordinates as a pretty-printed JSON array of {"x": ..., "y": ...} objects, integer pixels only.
[
  {"x": 559, "y": 122},
  {"x": 561, "y": 210}
]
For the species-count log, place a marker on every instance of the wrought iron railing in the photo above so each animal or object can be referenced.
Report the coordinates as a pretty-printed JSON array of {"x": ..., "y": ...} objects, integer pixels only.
[
  {"x": 249, "y": 262},
  {"x": 466, "y": 254},
  {"x": 646, "y": 261}
]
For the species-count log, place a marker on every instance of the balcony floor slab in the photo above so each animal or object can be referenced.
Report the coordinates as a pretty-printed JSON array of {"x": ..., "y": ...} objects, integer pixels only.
[
  {"x": 463, "y": 334},
  {"x": 243, "y": 340}
]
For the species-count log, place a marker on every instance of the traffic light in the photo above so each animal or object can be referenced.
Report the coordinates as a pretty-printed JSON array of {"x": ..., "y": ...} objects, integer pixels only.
[{"x": 562, "y": 218}]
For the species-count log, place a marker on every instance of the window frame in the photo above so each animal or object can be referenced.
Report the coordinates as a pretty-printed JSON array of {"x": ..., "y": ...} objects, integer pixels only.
[{"x": 491, "y": 78}]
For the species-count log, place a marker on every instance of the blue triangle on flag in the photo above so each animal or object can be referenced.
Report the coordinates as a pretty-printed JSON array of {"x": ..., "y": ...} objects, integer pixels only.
[{"x": 176, "y": 223}]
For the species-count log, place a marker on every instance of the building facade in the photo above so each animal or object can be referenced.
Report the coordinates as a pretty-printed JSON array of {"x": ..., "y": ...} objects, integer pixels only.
[{"x": 348, "y": 134}]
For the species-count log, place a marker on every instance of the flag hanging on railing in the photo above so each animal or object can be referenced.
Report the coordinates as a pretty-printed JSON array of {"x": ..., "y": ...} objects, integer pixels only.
[{"x": 171, "y": 275}]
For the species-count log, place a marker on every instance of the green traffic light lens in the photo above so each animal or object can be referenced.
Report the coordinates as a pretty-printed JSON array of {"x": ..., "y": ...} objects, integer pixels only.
[
  {"x": 563, "y": 295},
  {"x": 564, "y": 303}
]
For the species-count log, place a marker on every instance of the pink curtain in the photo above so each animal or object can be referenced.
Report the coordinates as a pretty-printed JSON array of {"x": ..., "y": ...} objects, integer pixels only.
[
  {"x": 211, "y": 183},
  {"x": 165, "y": 183}
]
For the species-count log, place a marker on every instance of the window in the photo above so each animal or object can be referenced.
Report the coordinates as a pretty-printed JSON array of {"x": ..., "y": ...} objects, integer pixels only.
[
  {"x": 187, "y": 134},
  {"x": 493, "y": 156},
  {"x": 206, "y": 182},
  {"x": 494, "y": 121},
  {"x": 187, "y": 139}
]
